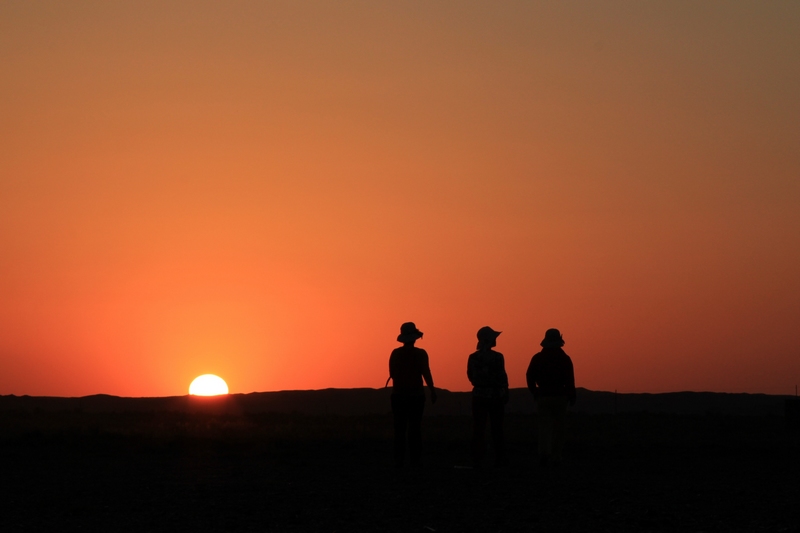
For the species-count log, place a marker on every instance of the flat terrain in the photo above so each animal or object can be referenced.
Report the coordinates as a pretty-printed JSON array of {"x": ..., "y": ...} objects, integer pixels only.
[{"x": 161, "y": 471}]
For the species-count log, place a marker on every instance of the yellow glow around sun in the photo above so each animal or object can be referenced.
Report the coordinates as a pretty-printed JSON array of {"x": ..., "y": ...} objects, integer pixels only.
[{"x": 208, "y": 385}]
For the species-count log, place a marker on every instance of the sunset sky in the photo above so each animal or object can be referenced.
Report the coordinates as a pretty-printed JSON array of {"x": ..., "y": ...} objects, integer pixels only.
[{"x": 266, "y": 190}]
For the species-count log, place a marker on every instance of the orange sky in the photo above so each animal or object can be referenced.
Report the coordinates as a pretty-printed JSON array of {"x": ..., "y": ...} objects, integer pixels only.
[{"x": 266, "y": 190}]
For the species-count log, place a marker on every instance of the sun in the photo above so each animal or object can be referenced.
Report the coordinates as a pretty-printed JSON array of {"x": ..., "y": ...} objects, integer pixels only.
[{"x": 208, "y": 385}]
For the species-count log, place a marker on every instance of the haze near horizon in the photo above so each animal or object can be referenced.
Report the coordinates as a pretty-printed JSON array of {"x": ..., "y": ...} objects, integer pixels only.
[{"x": 266, "y": 191}]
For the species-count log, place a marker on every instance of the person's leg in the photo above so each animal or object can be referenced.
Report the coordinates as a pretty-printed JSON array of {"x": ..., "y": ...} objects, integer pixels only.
[
  {"x": 559, "y": 415},
  {"x": 415, "y": 408},
  {"x": 545, "y": 428},
  {"x": 400, "y": 416},
  {"x": 480, "y": 414},
  {"x": 496, "y": 415}
]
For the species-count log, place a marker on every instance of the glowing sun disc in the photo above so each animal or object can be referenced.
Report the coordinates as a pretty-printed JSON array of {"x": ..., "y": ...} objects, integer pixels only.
[{"x": 208, "y": 385}]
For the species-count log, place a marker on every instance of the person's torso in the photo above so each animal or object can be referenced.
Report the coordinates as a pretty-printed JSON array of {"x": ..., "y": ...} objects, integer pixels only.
[
  {"x": 487, "y": 373},
  {"x": 553, "y": 372},
  {"x": 407, "y": 366}
]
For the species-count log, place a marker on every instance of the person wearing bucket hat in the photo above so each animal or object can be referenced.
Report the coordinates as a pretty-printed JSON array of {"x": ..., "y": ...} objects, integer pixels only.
[
  {"x": 551, "y": 380},
  {"x": 487, "y": 373},
  {"x": 408, "y": 367}
]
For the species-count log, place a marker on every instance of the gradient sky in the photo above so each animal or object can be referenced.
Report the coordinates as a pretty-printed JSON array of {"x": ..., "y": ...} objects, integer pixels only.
[{"x": 267, "y": 190}]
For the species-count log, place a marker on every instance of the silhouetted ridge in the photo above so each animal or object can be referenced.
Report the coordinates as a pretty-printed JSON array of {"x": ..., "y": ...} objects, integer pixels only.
[{"x": 348, "y": 402}]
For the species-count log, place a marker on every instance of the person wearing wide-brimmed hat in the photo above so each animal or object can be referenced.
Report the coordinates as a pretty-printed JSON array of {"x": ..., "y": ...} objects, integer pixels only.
[
  {"x": 551, "y": 380},
  {"x": 486, "y": 371},
  {"x": 408, "y": 367}
]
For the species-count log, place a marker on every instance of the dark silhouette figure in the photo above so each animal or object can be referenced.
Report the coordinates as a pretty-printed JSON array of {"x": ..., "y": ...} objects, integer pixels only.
[
  {"x": 486, "y": 371},
  {"x": 408, "y": 366},
  {"x": 792, "y": 414},
  {"x": 551, "y": 379}
]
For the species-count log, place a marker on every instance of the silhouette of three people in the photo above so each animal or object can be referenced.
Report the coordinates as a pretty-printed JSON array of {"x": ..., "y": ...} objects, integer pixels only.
[{"x": 550, "y": 378}]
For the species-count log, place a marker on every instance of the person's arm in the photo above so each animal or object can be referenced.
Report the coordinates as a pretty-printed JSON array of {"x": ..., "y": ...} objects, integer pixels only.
[
  {"x": 391, "y": 366},
  {"x": 505, "y": 378},
  {"x": 426, "y": 375},
  {"x": 470, "y": 369},
  {"x": 573, "y": 397},
  {"x": 530, "y": 377}
]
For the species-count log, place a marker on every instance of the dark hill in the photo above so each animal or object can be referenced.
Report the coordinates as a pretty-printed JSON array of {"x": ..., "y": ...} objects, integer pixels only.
[{"x": 376, "y": 401}]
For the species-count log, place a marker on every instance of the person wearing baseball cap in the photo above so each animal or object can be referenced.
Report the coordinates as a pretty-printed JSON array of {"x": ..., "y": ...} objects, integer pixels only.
[{"x": 487, "y": 372}]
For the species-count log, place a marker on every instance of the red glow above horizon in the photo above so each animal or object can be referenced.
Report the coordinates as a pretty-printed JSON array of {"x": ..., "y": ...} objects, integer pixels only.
[{"x": 271, "y": 190}]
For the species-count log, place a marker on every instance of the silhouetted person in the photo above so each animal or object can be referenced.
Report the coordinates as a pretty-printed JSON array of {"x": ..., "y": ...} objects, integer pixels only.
[
  {"x": 408, "y": 366},
  {"x": 486, "y": 370},
  {"x": 551, "y": 379}
]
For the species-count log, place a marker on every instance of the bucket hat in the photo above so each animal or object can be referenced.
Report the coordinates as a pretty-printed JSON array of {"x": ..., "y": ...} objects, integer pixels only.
[
  {"x": 409, "y": 332},
  {"x": 552, "y": 339}
]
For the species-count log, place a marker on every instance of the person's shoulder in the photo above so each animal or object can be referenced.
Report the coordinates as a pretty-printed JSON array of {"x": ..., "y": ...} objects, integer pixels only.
[
  {"x": 398, "y": 350},
  {"x": 420, "y": 351},
  {"x": 497, "y": 354}
]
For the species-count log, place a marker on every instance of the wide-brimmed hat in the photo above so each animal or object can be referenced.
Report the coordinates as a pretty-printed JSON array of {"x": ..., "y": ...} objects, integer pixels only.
[
  {"x": 409, "y": 332},
  {"x": 552, "y": 339},
  {"x": 487, "y": 334}
]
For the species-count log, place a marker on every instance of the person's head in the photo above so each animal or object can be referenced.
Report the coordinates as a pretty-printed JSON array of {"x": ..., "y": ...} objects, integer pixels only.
[
  {"x": 487, "y": 338},
  {"x": 552, "y": 339},
  {"x": 409, "y": 333}
]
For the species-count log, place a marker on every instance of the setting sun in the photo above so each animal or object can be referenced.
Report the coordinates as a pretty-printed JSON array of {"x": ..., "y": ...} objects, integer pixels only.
[{"x": 208, "y": 385}]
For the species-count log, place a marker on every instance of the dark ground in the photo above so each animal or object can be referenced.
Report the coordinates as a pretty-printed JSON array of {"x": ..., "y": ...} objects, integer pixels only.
[{"x": 279, "y": 472}]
